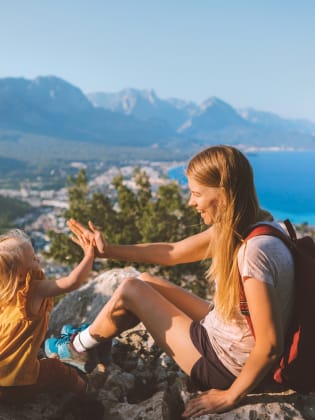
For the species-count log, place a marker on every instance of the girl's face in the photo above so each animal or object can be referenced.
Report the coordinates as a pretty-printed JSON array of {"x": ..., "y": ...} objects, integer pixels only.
[
  {"x": 31, "y": 261},
  {"x": 206, "y": 200}
]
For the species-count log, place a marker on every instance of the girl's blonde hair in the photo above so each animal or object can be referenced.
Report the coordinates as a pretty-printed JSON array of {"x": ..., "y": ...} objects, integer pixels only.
[
  {"x": 11, "y": 260},
  {"x": 225, "y": 167}
]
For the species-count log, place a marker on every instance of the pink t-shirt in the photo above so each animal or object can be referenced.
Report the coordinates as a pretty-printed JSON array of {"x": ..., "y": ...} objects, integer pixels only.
[{"x": 267, "y": 259}]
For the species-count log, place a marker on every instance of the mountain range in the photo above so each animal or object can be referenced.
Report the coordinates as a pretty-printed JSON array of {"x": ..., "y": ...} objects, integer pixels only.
[
  {"x": 50, "y": 109},
  {"x": 212, "y": 119}
]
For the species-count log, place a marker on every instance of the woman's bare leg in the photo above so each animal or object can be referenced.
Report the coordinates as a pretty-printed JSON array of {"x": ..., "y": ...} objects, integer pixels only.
[
  {"x": 192, "y": 305},
  {"x": 169, "y": 326}
]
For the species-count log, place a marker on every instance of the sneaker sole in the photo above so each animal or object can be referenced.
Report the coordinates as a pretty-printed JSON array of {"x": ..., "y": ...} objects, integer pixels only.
[{"x": 85, "y": 368}]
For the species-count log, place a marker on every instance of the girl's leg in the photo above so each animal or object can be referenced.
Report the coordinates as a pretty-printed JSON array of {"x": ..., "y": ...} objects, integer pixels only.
[
  {"x": 137, "y": 300},
  {"x": 192, "y": 305},
  {"x": 53, "y": 376}
]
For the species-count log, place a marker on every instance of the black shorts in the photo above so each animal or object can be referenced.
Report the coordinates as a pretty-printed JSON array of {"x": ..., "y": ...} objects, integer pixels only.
[{"x": 208, "y": 372}]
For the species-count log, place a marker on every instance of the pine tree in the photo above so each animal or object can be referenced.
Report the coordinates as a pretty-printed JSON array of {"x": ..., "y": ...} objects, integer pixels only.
[{"x": 134, "y": 216}]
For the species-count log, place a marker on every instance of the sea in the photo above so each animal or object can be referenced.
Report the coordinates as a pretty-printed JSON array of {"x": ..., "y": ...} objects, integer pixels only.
[{"x": 285, "y": 183}]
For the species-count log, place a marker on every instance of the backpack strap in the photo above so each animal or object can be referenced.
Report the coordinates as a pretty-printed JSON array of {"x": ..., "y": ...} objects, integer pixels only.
[
  {"x": 266, "y": 229},
  {"x": 290, "y": 230}
]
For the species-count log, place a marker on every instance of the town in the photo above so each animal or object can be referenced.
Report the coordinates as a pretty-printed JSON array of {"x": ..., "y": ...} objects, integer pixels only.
[{"x": 48, "y": 205}]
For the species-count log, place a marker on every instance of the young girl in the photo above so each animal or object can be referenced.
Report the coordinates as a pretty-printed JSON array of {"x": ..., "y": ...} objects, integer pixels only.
[
  {"x": 26, "y": 299},
  {"x": 214, "y": 345}
]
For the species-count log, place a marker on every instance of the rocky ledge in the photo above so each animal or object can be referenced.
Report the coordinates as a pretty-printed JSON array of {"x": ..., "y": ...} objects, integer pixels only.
[{"x": 141, "y": 382}]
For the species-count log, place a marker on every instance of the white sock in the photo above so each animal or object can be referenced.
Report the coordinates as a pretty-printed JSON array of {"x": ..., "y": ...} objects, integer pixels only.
[{"x": 84, "y": 341}]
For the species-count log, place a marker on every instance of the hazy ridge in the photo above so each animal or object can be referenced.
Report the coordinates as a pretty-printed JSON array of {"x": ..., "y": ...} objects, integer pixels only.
[{"x": 48, "y": 119}]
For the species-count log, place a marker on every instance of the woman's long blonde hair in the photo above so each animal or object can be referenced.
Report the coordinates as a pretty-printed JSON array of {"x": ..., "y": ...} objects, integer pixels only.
[
  {"x": 11, "y": 260},
  {"x": 227, "y": 168}
]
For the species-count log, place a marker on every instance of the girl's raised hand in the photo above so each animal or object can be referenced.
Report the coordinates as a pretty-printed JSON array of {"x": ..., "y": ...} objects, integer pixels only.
[{"x": 85, "y": 242}]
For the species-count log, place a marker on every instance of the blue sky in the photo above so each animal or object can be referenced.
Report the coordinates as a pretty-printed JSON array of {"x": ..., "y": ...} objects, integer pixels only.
[{"x": 246, "y": 52}]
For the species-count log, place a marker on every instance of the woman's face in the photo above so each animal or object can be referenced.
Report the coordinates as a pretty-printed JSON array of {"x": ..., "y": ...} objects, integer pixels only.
[{"x": 206, "y": 200}]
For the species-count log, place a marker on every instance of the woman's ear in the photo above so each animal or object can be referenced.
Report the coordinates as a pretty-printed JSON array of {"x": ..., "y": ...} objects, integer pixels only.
[{"x": 223, "y": 199}]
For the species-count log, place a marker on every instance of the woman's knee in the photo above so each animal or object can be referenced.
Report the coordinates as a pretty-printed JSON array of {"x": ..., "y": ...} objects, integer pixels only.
[
  {"x": 153, "y": 281},
  {"x": 145, "y": 276},
  {"x": 133, "y": 290},
  {"x": 130, "y": 289},
  {"x": 130, "y": 292},
  {"x": 126, "y": 292}
]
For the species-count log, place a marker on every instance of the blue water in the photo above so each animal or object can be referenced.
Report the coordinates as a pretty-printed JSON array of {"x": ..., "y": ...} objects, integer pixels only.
[{"x": 285, "y": 183}]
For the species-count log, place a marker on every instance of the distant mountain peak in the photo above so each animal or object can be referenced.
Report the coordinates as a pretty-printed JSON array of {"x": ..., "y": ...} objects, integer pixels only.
[
  {"x": 151, "y": 96},
  {"x": 274, "y": 121},
  {"x": 50, "y": 80},
  {"x": 143, "y": 104},
  {"x": 134, "y": 95},
  {"x": 213, "y": 101}
]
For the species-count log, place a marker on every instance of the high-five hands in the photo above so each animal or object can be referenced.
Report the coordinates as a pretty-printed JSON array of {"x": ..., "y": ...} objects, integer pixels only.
[{"x": 92, "y": 235}]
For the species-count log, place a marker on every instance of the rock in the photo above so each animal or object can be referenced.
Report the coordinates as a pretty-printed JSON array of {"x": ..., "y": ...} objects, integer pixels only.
[
  {"x": 83, "y": 305},
  {"x": 154, "y": 408},
  {"x": 141, "y": 382}
]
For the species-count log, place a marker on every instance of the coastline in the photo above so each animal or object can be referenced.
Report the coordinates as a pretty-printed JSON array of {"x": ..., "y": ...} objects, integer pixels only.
[{"x": 276, "y": 208}]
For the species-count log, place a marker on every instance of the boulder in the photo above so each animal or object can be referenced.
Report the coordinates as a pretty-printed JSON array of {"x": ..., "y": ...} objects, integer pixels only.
[{"x": 141, "y": 382}]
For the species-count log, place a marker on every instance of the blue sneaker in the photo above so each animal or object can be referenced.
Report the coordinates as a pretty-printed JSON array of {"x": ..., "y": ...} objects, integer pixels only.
[
  {"x": 63, "y": 349},
  {"x": 50, "y": 347},
  {"x": 66, "y": 330},
  {"x": 69, "y": 329}
]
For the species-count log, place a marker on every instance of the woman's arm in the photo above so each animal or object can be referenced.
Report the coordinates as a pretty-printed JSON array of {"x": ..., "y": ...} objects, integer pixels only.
[
  {"x": 265, "y": 315},
  {"x": 193, "y": 248},
  {"x": 264, "y": 308}
]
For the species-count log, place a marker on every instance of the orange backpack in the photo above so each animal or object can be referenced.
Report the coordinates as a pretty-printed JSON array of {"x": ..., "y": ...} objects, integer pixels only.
[{"x": 296, "y": 367}]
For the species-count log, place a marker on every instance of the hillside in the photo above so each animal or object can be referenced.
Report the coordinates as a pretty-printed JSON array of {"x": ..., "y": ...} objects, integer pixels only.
[
  {"x": 11, "y": 209},
  {"x": 50, "y": 106}
]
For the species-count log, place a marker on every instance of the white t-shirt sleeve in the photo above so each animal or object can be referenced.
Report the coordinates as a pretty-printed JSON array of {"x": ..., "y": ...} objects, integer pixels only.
[{"x": 264, "y": 258}]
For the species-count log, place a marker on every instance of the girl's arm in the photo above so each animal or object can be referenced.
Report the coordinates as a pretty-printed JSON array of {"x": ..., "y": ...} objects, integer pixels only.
[
  {"x": 265, "y": 315},
  {"x": 47, "y": 288},
  {"x": 193, "y": 248}
]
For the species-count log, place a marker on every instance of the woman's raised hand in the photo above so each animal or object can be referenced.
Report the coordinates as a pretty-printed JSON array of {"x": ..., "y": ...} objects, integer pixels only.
[{"x": 93, "y": 235}]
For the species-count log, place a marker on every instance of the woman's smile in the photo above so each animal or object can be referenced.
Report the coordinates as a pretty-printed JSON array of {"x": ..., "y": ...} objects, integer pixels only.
[{"x": 205, "y": 200}]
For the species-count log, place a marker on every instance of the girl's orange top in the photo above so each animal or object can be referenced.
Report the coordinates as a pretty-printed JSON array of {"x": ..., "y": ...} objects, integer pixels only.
[{"x": 21, "y": 335}]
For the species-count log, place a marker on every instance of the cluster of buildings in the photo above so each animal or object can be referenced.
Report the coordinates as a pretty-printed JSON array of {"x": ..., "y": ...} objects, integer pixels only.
[{"x": 48, "y": 206}]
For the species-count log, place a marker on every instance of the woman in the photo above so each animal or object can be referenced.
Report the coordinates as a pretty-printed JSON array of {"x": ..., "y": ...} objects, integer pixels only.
[{"x": 221, "y": 355}]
